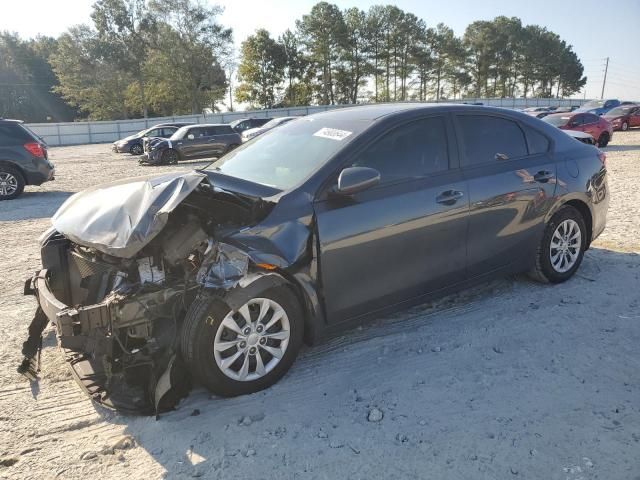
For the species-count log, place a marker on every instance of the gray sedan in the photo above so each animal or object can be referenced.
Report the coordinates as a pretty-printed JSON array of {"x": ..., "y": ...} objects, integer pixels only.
[{"x": 220, "y": 275}]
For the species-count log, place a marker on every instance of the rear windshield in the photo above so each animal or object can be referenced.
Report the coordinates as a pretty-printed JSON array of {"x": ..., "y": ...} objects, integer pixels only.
[
  {"x": 619, "y": 111},
  {"x": 557, "y": 120}
]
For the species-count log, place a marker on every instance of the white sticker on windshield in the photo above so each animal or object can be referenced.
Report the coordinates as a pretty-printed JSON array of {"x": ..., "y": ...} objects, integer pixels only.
[{"x": 332, "y": 133}]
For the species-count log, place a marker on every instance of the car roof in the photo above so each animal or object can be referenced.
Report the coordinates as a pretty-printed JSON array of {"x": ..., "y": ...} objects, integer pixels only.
[
  {"x": 10, "y": 120},
  {"x": 371, "y": 113}
]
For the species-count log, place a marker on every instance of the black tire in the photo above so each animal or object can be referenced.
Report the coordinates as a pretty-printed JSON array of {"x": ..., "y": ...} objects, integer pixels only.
[
  {"x": 169, "y": 157},
  {"x": 230, "y": 147},
  {"x": 624, "y": 127},
  {"x": 603, "y": 139},
  {"x": 544, "y": 271},
  {"x": 198, "y": 334},
  {"x": 11, "y": 182},
  {"x": 136, "y": 149}
]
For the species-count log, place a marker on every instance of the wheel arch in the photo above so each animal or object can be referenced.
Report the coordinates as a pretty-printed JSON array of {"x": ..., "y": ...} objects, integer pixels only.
[
  {"x": 582, "y": 207},
  {"x": 11, "y": 164}
]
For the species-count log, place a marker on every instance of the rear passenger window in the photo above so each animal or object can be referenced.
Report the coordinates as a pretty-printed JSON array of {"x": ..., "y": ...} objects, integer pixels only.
[
  {"x": 410, "y": 151},
  {"x": 538, "y": 143},
  {"x": 13, "y": 134},
  {"x": 485, "y": 137}
]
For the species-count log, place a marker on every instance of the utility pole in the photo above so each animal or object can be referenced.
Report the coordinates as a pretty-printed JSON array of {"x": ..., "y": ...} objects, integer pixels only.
[{"x": 604, "y": 82}]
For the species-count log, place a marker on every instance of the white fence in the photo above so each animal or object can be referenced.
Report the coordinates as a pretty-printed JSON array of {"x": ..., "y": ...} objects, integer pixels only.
[{"x": 80, "y": 133}]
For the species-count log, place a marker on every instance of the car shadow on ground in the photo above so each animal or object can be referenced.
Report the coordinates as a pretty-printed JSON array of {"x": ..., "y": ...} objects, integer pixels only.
[
  {"x": 456, "y": 367},
  {"x": 33, "y": 205},
  {"x": 620, "y": 148}
]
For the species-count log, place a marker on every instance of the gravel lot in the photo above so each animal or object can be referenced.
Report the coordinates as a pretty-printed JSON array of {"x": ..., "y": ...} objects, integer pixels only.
[{"x": 509, "y": 380}]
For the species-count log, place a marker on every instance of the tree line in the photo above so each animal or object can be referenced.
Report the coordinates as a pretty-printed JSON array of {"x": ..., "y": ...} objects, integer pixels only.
[
  {"x": 171, "y": 57},
  {"x": 387, "y": 54}
]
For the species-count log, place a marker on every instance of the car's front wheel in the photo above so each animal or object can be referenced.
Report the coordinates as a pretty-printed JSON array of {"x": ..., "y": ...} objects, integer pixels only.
[
  {"x": 136, "y": 149},
  {"x": 562, "y": 248},
  {"x": 244, "y": 351},
  {"x": 11, "y": 182},
  {"x": 170, "y": 157},
  {"x": 603, "y": 140}
]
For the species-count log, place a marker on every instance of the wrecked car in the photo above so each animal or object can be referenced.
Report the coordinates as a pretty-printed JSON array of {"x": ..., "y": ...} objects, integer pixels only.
[{"x": 218, "y": 276}]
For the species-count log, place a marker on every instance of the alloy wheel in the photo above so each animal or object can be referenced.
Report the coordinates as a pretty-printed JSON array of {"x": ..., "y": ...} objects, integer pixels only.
[
  {"x": 625, "y": 126},
  {"x": 8, "y": 184},
  {"x": 566, "y": 242},
  {"x": 251, "y": 341}
]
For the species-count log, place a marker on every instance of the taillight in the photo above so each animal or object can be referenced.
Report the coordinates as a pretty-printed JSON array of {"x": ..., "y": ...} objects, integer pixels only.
[
  {"x": 35, "y": 149},
  {"x": 603, "y": 157}
]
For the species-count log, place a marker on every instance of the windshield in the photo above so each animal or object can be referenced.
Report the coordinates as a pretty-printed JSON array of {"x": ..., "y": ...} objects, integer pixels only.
[
  {"x": 620, "y": 111},
  {"x": 178, "y": 134},
  {"x": 557, "y": 120},
  {"x": 593, "y": 104},
  {"x": 285, "y": 156}
]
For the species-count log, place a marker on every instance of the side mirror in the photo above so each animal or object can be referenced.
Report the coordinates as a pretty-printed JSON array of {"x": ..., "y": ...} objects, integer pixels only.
[
  {"x": 191, "y": 136},
  {"x": 356, "y": 179}
]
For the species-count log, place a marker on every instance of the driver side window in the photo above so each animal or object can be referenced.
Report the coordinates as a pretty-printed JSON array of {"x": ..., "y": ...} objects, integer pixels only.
[{"x": 412, "y": 150}]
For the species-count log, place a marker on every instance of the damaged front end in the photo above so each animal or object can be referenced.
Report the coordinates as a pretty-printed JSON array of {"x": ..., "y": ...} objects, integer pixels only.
[{"x": 118, "y": 279}]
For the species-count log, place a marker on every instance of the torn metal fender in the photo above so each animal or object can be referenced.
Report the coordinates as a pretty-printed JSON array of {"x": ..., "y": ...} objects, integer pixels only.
[{"x": 120, "y": 218}]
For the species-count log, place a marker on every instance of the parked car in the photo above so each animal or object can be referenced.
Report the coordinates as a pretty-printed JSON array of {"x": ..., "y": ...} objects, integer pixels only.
[
  {"x": 23, "y": 159},
  {"x": 598, "y": 127},
  {"x": 221, "y": 274},
  {"x": 538, "y": 112},
  {"x": 598, "y": 107},
  {"x": 624, "y": 117},
  {"x": 254, "y": 132},
  {"x": 243, "y": 124},
  {"x": 134, "y": 144},
  {"x": 194, "y": 141}
]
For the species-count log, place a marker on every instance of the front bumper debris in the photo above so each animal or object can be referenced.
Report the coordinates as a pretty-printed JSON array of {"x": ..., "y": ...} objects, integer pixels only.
[{"x": 87, "y": 337}]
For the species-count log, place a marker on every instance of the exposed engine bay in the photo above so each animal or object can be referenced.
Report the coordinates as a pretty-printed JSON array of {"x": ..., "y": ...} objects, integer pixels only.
[{"x": 118, "y": 308}]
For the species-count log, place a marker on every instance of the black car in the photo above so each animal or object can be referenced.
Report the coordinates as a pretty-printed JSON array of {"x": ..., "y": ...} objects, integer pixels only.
[
  {"x": 221, "y": 274},
  {"x": 195, "y": 141},
  {"x": 23, "y": 159},
  {"x": 134, "y": 144},
  {"x": 243, "y": 124}
]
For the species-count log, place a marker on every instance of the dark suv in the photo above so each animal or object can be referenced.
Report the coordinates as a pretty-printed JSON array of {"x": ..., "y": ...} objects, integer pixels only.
[
  {"x": 134, "y": 143},
  {"x": 195, "y": 141},
  {"x": 23, "y": 159}
]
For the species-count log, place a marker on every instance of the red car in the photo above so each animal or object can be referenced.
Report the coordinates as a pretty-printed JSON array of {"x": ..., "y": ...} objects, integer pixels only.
[
  {"x": 598, "y": 127},
  {"x": 624, "y": 117}
]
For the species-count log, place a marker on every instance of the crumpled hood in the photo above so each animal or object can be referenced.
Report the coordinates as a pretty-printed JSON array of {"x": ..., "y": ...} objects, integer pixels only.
[{"x": 120, "y": 218}]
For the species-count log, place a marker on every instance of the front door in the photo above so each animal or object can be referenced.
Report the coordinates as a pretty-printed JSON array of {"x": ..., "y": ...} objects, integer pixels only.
[
  {"x": 402, "y": 238},
  {"x": 511, "y": 180}
]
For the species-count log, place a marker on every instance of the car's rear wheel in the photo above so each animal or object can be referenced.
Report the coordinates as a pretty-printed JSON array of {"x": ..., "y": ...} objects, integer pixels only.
[
  {"x": 603, "y": 139},
  {"x": 136, "y": 149},
  {"x": 561, "y": 250},
  {"x": 11, "y": 182},
  {"x": 170, "y": 157},
  {"x": 244, "y": 351},
  {"x": 624, "y": 127}
]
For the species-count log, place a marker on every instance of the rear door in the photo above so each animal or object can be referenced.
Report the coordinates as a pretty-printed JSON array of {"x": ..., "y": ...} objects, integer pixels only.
[
  {"x": 511, "y": 178},
  {"x": 222, "y": 136},
  {"x": 634, "y": 118},
  {"x": 402, "y": 238}
]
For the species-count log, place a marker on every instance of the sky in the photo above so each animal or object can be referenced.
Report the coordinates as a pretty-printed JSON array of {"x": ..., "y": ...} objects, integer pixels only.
[{"x": 597, "y": 29}]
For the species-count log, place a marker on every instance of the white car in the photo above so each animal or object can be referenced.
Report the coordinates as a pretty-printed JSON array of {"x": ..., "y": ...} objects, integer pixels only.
[{"x": 254, "y": 132}]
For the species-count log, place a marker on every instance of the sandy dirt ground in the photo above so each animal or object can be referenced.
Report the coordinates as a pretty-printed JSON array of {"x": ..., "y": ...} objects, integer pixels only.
[{"x": 509, "y": 380}]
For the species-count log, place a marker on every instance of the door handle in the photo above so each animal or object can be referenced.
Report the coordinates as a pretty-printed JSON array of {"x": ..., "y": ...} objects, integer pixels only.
[
  {"x": 501, "y": 156},
  {"x": 449, "y": 197},
  {"x": 543, "y": 176}
]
